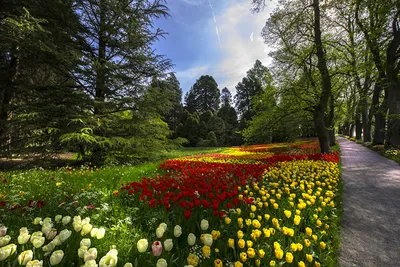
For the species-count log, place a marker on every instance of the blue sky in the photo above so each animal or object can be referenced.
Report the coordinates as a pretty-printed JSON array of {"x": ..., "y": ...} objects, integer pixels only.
[{"x": 215, "y": 37}]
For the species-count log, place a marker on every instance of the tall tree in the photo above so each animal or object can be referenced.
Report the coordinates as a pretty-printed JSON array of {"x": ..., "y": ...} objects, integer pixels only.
[
  {"x": 371, "y": 17},
  {"x": 173, "y": 92},
  {"x": 228, "y": 114},
  {"x": 37, "y": 94},
  {"x": 392, "y": 70},
  {"x": 203, "y": 96},
  {"x": 250, "y": 87},
  {"x": 295, "y": 27},
  {"x": 116, "y": 66}
]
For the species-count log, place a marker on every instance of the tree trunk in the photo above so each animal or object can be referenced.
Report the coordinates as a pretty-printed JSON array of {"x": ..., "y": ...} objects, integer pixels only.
[
  {"x": 101, "y": 69},
  {"x": 351, "y": 130},
  {"x": 322, "y": 133},
  {"x": 358, "y": 123},
  {"x": 326, "y": 92},
  {"x": 392, "y": 72}
]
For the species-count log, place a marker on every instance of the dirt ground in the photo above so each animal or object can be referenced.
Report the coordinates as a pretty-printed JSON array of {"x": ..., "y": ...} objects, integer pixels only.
[{"x": 370, "y": 233}]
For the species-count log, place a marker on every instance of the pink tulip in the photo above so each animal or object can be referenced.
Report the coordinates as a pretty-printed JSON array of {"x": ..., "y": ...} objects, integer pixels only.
[{"x": 156, "y": 248}]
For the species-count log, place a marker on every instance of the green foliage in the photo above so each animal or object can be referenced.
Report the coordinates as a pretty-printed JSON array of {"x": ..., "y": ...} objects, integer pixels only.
[
  {"x": 250, "y": 87},
  {"x": 203, "y": 96}
]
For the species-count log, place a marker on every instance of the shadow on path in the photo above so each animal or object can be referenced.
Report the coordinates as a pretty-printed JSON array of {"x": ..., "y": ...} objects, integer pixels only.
[{"x": 371, "y": 201}]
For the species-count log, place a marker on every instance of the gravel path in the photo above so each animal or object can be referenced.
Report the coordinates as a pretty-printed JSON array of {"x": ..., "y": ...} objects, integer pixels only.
[{"x": 371, "y": 200}]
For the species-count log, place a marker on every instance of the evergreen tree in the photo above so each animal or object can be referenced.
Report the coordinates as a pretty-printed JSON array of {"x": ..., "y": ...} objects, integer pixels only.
[
  {"x": 116, "y": 66},
  {"x": 229, "y": 116},
  {"x": 203, "y": 96},
  {"x": 248, "y": 89}
]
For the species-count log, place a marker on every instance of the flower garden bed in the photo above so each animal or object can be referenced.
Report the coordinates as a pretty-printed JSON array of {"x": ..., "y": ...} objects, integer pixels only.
[{"x": 264, "y": 205}]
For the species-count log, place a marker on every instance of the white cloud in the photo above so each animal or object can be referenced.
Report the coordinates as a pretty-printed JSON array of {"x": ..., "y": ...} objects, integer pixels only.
[
  {"x": 239, "y": 53},
  {"x": 193, "y": 73},
  {"x": 240, "y": 44}
]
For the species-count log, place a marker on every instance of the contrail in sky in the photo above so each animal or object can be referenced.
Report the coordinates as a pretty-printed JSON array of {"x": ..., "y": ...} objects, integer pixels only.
[{"x": 215, "y": 22}]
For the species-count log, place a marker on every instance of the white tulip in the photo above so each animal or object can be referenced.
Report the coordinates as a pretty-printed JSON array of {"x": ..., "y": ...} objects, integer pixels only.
[
  {"x": 34, "y": 263},
  {"x": 168, "y": 244},
  {"x": 191, "y": 239},
  {"x": 161, "y": 263},
  {"x": 142, "y": 245},
  {"x": 100, "y": 233},
  {"x": 204, "y": 225},
  {"x": 91, "y": 263},
  {"x": 160, "y": 232},
  {"x": 85, "y": 242},
  {"x": 25, "y": 257},
  {"x": 65, "y": 220},
  {"x": 4, "y": 240},
  {"x": 56, "y": 257},
  {"x": 65, "y": 234},
  {"x": 58, "y": 218},
  {"x": 177, "y": 231},
  {"x": 38, "y": 242},
  {"x": 163, "y": 225}
]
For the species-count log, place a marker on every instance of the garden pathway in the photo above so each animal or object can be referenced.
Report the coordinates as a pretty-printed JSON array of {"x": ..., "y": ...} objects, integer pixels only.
[{"x": 370, "y": 233}]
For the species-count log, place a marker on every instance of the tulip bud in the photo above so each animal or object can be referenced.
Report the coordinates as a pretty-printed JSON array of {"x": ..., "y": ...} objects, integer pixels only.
[
  {"x": 208, "y": 240},
  {"x": 37, "y": 234},
  {"x": 49, "y": 247},
  {"x": 47, "y": 220},
  {"x": 34, "y": 263},
  {"x": 161, "y": 263},
  {"x": 90, "y": 263},
  {"x": 57, "y": 241},
  {"x": 142, "y": 245},
  {"x": 56, "y": 257},
  {"x": 191, "y": 239},
  {"x": 77, "y": 226},
  {"x": 156, "y": 248},
  {"x": 160, "y": 232},
  {"x": 58, "y": 218},
  {"x": 100, "y": 233},
  {"x": 164, "y": 226},
  {"x": 168, "y": 244},
  {"x": 65, "y": 220},
  {"x": 38, "y": 242},
  {"x": 3, "y": 230},
  {"x": 46, "y": 227},
  {"x": 128, "y": 264},
  {"x": 81, "y": 251},
  {"x": 23, "y": 238},
  {"x": 85, "y": 242},
  {"x": 23, "y": 230},
  {"x": 110, "y": 259},
  {"x": 37, "y": 220},
  {"x": 51, "y": 234},
  {"x": 94, "y": 231},
  {"x": 4, "y": 240},
  {"x": 64, "y": 235},
  {"x": 177, "y": 231},
  {"x": 7, "y": 251},
  {"x": 91, "y": 254},
  {"x": 204, "y": 225},
  {"x": 86, "y": 228},
  {"x": 25, "y": 257}
]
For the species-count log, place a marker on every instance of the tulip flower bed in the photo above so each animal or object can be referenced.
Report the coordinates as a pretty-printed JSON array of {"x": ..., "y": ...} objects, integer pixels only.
[
  {"x": 264, "y": 205},
  {"x": 243, "y": 207}
]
